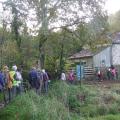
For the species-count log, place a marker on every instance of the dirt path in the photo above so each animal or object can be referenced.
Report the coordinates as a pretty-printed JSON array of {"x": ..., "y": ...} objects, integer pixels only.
[{"x": 105, "y": 82}]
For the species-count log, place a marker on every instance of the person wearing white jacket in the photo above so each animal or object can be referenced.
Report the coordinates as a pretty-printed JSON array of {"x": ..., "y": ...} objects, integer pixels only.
[{"x": 63, "y": 76}]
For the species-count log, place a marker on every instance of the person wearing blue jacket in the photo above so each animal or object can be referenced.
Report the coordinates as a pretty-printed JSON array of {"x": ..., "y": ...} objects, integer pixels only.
[
  {"x": 33, "y": 79},
  {"x": 1, "y": 81}
]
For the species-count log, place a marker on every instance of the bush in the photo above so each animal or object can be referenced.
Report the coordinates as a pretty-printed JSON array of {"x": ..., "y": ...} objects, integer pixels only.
[
  {"x": 74, "y": 104},
  {"x": 64, "y": 102},
  {"x": 30, "y": 106},
  {"x": 114, "y": 108},
  {"x": 88, "y": 111},
  {"x": 60, "y": 91},
  {"x": 107, "y": 117},
  {"x": 102, "y": 110},
  {"x": 1, "y": 96},
  {"x": 25, "y": 75}
]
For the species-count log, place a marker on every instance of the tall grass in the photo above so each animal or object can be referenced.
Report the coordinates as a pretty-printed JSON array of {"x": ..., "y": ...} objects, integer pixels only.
[
  {"x": 63, "y": 102},
  {"x": 32, "y": 107}
]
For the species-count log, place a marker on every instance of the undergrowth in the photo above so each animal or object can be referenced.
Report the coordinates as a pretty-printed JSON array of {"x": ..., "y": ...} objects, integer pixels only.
[{"x": 65, "y": 102}]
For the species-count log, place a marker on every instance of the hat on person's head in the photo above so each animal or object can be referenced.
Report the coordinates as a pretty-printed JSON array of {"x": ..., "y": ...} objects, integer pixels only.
[
  {"x": 5, "y": 68},
  {"x": 43, "y": 70},
  {"x": 14, "y": 68}
]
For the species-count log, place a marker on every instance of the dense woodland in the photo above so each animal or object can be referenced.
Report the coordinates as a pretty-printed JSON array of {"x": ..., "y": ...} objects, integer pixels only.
[{"x": 47, "y": 32}]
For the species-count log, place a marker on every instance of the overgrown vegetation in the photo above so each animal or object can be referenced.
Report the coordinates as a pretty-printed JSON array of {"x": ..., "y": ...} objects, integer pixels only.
[{"x": 66, "y": 102}]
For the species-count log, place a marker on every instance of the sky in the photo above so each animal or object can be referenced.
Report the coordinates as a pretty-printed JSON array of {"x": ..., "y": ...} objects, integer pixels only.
[{"x": 111, "y": 6}]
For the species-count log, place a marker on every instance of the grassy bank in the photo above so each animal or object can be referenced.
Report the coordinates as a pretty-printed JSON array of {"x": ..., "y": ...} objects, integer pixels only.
[{"x": 66, "y": 102}]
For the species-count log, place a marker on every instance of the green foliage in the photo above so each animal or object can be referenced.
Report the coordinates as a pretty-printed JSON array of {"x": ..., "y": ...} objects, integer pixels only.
[
  {"x": 107, "y": 117},
  {"x": 74, "y": 104},
  {"x": 60, "y": 90},
  {"x": 33, "y": 107},
  {"x": 10, "y": 53},
  {"x": 68, "y": 65},
  {"x": 51, "y": 65},
  {"x": 1, "y": 97},
  {"x": 64, "y": 102},
  {"x": 102, "y": 109},
  {"x": 114, "y": 22}
]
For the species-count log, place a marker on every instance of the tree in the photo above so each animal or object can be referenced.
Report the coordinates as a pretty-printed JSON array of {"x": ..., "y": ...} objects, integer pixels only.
[
  {"x": 18, "y": 13},
  {"x": 75, "y": 25},
  {"x": 114, "y": 22},
  {"x": 50, "y": 12}
]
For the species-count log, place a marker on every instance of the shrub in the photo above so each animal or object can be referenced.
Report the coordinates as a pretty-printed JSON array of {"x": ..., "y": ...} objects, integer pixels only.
[
  {"x": 60, "y": 91},
  {"x": 114, "y": 108},
  {"x": 107, "y": 117},
  {"x": 88, "y": 111},
  {"x": 30, "y": 106},
  {"x": 74, "y": 104},
  {"x": 102, "y": 109}
]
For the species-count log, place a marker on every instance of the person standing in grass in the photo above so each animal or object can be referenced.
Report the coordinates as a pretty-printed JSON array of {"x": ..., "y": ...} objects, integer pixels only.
[
  {"x": 45, "y": 80},
  {"x": 63, "y": 76},
  {"x": 33, "y": 79},
  {"x": 113, "y": 72},
  {"x": 71, "y": 76},
  {"x": 99, "y": 75},
  {"x": 109, "y": 74},
  {"x": 2, "y": 86},
  {"x": 20, "y": 80},
  {"x": 13, "y": 78},
  {"x": 1, "y": 81},
  {"x": 8, "y": 83}
]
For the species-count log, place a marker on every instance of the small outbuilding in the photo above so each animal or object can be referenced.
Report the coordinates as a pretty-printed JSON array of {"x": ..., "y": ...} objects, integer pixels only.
[{"x": 84, "y": 57}]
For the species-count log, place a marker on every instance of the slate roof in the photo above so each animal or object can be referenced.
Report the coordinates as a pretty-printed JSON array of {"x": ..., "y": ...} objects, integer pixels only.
[{"x": 82, "y": 54}]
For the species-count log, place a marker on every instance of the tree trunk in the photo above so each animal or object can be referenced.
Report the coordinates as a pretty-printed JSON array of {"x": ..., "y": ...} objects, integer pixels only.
[
  {"x": 44, "y": 31},
  {"x": 61, "y": 58},
  {"x": 42, "y": 58}
]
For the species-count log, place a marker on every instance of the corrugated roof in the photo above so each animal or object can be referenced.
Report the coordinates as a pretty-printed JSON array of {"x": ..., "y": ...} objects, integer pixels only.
[{"x": 82, "y": 54}]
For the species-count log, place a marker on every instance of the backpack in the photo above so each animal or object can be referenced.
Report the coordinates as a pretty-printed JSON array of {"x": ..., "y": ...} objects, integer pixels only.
[
  {"x": 1, "y": 80},
  {"x": 18, "y": 76},
  {"x": 12, "y": 75},
  {"x": 39, "y": 76},
  {"x": 45, "y": 76},
  {"x": 33, "y": 75}
]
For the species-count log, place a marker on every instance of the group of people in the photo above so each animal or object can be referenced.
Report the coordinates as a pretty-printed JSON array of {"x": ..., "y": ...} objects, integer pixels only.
[
  {"x": 39, "y": 80},
  {"x": 10, "y": 82},
  {"x": 111, "y": 74},
  {"x": 70, "y": 76}
]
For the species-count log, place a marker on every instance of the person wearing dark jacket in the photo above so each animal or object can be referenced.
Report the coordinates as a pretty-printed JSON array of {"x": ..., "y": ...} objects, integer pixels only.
[
  {"x": 33, "y": 80},
  {"x": 1, "y": 81}
]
